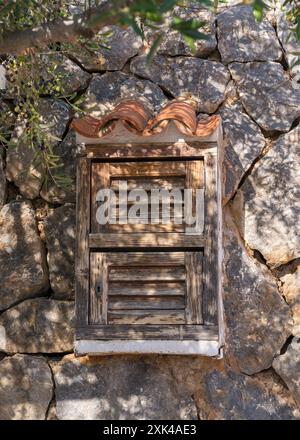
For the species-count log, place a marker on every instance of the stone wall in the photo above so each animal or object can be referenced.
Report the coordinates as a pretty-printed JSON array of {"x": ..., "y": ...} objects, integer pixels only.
[{"x": 242, "y": 73}]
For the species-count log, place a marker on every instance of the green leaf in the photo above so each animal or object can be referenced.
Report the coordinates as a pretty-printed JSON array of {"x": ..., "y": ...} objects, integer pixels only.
[
  {"x": 194, "y": 34},
  {"x": 154, "y": 47},
  {"x": 144, "y": 6},
  {"x": 258, "y": 9},
  {"x": 191, "y": 43},
  {"x": 53, "y": 138},
  {"x": 130, "y": 21},
  {"x": 180, "y": 24},
  {"x": 297, "y": 30},
  {"x": 189, "y": 29},
  {"x": 296, "y": 63},
  {"x": 137, "y": 29},
  {"x": 167, "y": 5}
]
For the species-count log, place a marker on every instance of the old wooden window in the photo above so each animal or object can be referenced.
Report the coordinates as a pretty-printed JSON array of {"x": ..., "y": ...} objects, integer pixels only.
[{"x": 143, "y": 287}]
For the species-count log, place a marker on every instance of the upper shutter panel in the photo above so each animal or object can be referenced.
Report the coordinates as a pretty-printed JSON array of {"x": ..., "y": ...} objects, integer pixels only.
[{"x": 170, "y": 176}]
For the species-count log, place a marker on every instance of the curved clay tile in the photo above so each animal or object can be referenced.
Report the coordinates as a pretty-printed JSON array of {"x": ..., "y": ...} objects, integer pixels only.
[
  {"x": 183, "y": 115},
  {"x": 132, "y": 113},
  {"x": 135, "y": 118},
  {"x": 207, "y": 126},
  {"x": 87, "y": 126}
]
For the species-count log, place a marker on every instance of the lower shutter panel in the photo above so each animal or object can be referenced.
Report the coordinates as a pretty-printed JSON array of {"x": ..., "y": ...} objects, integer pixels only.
[{"x": 146, "y": 288}]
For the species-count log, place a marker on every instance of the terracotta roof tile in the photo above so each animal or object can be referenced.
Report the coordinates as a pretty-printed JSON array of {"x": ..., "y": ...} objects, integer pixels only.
[{"x": 135, "y": 117}]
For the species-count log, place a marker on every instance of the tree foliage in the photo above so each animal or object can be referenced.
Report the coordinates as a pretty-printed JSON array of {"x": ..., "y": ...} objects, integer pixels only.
[{"x": 31, "y": 28}]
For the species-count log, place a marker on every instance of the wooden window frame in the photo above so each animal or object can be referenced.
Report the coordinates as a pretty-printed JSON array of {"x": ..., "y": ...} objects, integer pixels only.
[{"x": 96, "y": 340}]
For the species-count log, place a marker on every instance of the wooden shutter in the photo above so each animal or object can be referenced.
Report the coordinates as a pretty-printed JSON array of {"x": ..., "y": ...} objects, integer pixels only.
[
  {"x": 148, "y": 176},
  {"x": 146, "y": 288},
  {"x": 143, "y": 281}
]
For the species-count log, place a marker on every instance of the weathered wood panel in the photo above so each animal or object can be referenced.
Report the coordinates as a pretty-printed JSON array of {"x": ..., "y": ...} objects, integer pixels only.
[
  {"x": 100, "y": 180},
  {"x": 210, "y": 263},
  {"x": 145, "y": 303},
  {"x": 194, "y": 280},
  {"x": 98, "y": 288},
  {"x": 176, "y": 288},
  {"x": 145, "y": 240},
  {"x": 145, "y": 273},
  {"x": 183, "y": 150},
  {"x": 148, "y": 258},
  {"x": 82, "y": 243},
  {"x": 167, "y": 332},
  {"x": 144, "y": 317},
  {"x": 154, "y": 169}
]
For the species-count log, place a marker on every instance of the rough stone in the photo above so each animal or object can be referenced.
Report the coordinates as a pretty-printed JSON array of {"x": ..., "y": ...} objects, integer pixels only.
[
  {"x": 22, "y": 257},
  {"x": 25, "y": 388},
  {"x": 243, "y": 143},
  {"x": 267, "y": 94},
  {"x": 106, "y": 90},
  {"x": 3, "y": 185},
  {"x": 232, "y": 396},
  {"x": 71, "y": 77},
  {"x": 289, "y": 43},
  {"x": 258, "y": 320},
  {"x": 205, "y": 80},
  {"x": 21, "y": 167},
  {"x": 288, "y": 367},
  {"x": 37, "y": 326},
  {"x": 2, "y": 78},
  {"x": 121, "y": 45},
  {"x": 119, "y": 389},
  {"x": 54, "y": 192},
  {"x": 291, "y": 293},
  {"x": 242, "y": 38},
  {"x": 267, "y": 206},
  {"x": 78, "y": 6},
  {"x": 173, "y": 42},
  {"x": 60, "y": 240}
]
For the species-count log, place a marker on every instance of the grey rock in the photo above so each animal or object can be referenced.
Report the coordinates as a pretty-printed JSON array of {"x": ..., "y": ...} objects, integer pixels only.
[
  {"x": 242, "y": 38},
  {"x": 290, "y": 279},
  {"x": 77, "y": 6},
  {"x": 204, "y": 80},
  {"x": 288, "y": 367},
  {"x": 110, "y": 49},
  {"x": 119, "y": 389},
  {"x": 258, "y": 320},
  {"x": 25, "y": 388},
  {"x": 71, "y": 77},
  {"x": 38, "y": 326},
  {"x": 21, "y": 168},
  {"x": 243, "y": 143},
  {"x": 267, "y": 205},
  {"x": 2, "y": 78},
  {"x": 289, "y": 43},
  {"x": 60, "y": 241},
  {"x": 60, "y": 192},
  {"x": 233, "y": 396},
  {"x": 22, "y": 258},
  {"x": 107, "y": 90},
  {"x": 173, "y": 42},
  {"x": 267, "y": 94}
]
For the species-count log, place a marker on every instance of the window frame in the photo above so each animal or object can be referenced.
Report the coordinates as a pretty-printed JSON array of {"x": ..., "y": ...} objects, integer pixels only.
[{"x": 94, "y": 340}]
